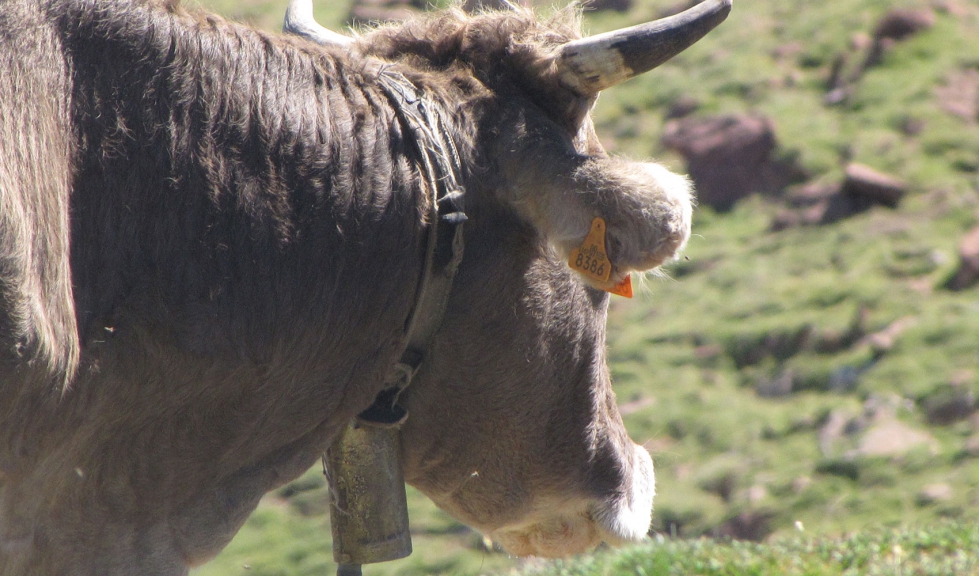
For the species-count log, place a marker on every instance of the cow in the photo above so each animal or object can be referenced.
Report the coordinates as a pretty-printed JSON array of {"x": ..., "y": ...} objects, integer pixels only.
[{"x": 212, "y": 239}]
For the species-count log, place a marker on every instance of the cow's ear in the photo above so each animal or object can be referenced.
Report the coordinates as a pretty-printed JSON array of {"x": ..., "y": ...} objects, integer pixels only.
[
  {"x": 645, "y": 209},
  {"x": 639, "y": 212}
]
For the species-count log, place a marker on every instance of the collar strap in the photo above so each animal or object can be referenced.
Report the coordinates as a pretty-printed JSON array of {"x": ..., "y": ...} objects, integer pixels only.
[{"x": 441, "y": 166}]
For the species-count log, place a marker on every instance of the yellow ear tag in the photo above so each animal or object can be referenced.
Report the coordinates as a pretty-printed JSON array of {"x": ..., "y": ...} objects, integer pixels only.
[{"x": 592, "y": 260}]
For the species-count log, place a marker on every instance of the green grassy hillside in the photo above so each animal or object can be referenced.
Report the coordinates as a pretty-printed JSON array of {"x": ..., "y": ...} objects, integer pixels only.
[{"x": 749, "y": 372}]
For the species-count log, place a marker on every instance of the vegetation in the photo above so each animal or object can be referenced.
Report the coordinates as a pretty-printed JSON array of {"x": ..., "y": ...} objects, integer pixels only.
[
  {"x": 938, "y": 551},
  {"x": 750, "y": 370}
]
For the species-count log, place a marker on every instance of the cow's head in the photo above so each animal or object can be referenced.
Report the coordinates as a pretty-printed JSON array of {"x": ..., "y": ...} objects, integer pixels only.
[{"x": 513, "y": 426}]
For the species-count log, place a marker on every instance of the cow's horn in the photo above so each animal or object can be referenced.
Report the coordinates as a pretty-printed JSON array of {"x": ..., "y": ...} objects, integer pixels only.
[
  {"x": 300, "y": 22},
  {"x": 593, "y": 64}
]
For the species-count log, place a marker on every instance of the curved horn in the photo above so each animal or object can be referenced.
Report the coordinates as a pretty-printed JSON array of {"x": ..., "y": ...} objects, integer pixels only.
[
  {"x": 299, "y": 21},
  {"x": 593, "y": 64}
]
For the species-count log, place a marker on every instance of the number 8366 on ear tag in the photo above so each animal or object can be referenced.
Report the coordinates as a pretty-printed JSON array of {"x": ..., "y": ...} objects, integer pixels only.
[{"x": 591, "y": 259}]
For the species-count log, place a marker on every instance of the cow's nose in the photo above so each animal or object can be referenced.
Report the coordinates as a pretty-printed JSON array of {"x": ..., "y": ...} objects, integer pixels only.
[{"x": 627, "y": 516}]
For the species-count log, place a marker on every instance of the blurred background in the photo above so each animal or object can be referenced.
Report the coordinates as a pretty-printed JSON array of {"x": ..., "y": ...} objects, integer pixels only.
[{"x": 812, "y": 365}]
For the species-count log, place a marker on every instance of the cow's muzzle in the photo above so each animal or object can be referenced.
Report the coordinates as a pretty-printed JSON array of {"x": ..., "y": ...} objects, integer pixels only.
[{"x": 563, "y": 527}]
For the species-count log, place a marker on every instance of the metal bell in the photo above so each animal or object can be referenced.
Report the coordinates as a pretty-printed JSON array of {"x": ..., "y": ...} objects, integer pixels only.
[{"x": 369, "y": 508}]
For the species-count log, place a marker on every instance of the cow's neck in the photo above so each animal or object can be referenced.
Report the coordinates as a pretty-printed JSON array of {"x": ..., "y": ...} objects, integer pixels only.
[{"x": 268, "y": 149}]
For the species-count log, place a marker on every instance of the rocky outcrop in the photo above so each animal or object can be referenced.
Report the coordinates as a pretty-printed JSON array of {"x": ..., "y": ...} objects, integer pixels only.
[
  {"x": 868, "y": 187},
  {"x": 730, "y": 157},
  {"x": 824, "y": 203}
]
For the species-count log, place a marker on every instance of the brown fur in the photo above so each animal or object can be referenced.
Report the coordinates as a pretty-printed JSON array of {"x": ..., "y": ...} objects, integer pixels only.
[{"x": 210, "y": 240}]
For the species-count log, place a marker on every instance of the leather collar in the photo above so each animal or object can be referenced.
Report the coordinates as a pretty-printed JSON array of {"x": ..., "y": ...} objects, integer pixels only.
[{"x": 438, "y": 158}]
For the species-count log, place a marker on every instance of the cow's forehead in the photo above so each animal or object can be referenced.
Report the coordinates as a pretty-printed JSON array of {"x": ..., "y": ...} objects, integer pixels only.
[
  {"x": 450, "y": 34},
  {"x": 501, "y": 49}
]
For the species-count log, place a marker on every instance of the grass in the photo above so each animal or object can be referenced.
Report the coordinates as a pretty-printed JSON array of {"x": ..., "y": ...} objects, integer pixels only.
[
  {"x": 736, "y": 368},
  {"x": 939, "y": 550}
]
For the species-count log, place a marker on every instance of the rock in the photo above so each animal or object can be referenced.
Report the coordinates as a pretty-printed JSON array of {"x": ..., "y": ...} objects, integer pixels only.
[
  {"x": 968, "y": 271},
  {"x": 949, "y": 406},
  {"x": 872, "y": 187},
  {"x": 818, "y": 203},
  {"x": 831, "y": 206},
  {"x": 729, "y": 157},
  {"x": 894, "y": 438},
  {"x": 933, "y": 493},
  {"x": 836, "y": 208},
  {"x": 752, "y": 525},
  {"x": 900, "y": 24}
]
